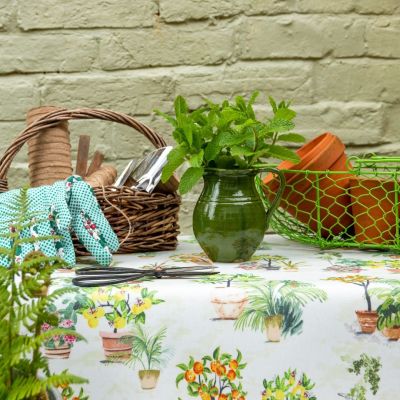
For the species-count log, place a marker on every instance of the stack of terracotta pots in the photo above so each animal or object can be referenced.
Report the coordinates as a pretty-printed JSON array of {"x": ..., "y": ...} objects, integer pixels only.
[
  {"x": 49, "y": 153},
  {"x": 336, "y": 203}
]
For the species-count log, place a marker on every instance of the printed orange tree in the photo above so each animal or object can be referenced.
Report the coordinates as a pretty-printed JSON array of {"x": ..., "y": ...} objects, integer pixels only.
[
  {"x": 119, "y": 305},
  {"x": 288, "y": 387},
  {"x": 215, "y": 377}
]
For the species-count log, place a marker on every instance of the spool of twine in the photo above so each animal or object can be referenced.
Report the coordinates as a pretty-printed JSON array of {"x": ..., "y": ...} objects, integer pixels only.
[
  {"x": 104, "y": 176},
  {"x": 49, "y": 154}
]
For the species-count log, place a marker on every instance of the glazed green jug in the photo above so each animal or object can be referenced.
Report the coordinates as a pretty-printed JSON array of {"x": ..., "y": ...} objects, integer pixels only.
[{"x": 229, "y": 219}]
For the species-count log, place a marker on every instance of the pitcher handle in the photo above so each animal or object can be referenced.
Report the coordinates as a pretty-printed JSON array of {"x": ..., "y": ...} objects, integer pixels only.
[{"x": 278, "y": 196}]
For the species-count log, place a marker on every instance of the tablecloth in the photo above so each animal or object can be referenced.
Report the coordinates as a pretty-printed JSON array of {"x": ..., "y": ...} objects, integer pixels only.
[{"x": 281, "y": 326}]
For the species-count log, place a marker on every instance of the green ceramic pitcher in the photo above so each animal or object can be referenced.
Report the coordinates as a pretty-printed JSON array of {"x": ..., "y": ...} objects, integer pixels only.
[{"x": 229, "y": 219}]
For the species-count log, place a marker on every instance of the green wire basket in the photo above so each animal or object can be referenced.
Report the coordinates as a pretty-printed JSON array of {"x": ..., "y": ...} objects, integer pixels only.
[{"x": 354, "y": 208}]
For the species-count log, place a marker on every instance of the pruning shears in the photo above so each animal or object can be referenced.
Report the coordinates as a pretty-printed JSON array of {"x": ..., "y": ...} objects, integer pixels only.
[{"x": 104, "y": 276}]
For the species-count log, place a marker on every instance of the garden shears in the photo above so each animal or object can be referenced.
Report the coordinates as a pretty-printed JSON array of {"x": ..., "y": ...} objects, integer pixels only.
[{"x": 100, "y": 276}]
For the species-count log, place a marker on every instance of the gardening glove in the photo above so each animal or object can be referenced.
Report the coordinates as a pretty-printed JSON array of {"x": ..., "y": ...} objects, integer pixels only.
[
  {"x": 42, "y": 203},
  {"x": 88, "y": 221}
]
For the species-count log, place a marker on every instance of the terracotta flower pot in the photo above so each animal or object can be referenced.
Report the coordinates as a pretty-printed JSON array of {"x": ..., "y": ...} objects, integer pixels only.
[
  {"x": 392, "y": 333},
  {"x": 148, "y": 378},
  {"x": 229, "y": 302},
  {"x": 62, "y": 352},
  {"x": 367, "y": 321},
  {"x": 273, "y": 326},
  {"x": 113, "y": 347},
  {"x": 325, "y": 152},
  {"x": 373, "y": 209}
]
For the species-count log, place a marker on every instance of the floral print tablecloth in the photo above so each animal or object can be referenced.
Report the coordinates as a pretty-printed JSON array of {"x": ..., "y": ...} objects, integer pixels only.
[{"x": 295, "y": 322}]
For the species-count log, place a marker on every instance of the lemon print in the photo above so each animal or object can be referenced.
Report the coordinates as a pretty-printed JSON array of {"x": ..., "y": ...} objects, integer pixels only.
[
  {"x": 141, "y": 305},
  {"x": 99, "y": 295},
  {"x": 279, "y": 395},
  {"x": 119, "y": 323}
]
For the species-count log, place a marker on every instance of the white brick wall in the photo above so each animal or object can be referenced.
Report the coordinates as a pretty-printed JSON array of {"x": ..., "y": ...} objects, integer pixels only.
[{"x": 338, "y": 61}]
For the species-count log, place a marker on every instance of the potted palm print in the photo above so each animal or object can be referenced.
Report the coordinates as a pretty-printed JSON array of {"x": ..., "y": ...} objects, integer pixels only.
[
  {"x": 276, "y": 307},
  {"x": 59, "y": 346},
  {"x": 120, "y": 306},
  {"x": 389, "y": 316},
  {"x": 228, "y": 300},
  {"x": 147, "y": 352},
  {"x": 369, "y": 317},
  {"x": 289, "y": 386},
  {"x": 215, "y": 377}
]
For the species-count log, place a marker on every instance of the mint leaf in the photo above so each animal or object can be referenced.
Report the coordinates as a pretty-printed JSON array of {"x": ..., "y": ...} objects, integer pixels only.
[
  {"x": 241, "y": 151},
  {"x": 180, "y": 106},
  {"x": 273, "y": 104},
  {"x": 190, "y": 178},
  {"x": 280, "y": 125},
  {"x": 292, "y": 137},
  {"x": 283, "y": 153},
  {"x": 175, "y": 158},
  {"x": 167, "y": 117},
  {"x": 285, "y": 113},
  {"x": 235, "y": 138},
  {"x": 212, "y": 149},
  {"x": 196, "y": 160}
]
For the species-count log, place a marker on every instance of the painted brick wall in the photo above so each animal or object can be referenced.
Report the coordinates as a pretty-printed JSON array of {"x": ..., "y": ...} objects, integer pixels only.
[{"x": 338, "y": 60}]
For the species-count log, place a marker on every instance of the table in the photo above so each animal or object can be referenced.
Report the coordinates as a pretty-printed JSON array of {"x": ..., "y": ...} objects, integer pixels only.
[{"x": 283, "y": 324}]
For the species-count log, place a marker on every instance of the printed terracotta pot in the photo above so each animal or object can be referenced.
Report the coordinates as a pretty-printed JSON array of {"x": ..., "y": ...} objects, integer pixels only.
[
  {"x": 59, "y": 352},
  {"x": 373, "y": 209},
  {"x": 229, "y": 302},
  {"x": 149, "y": 378},
  {"x": 367, "y": 321},
  {"x": 392, "y": 333},
  {"x": 273, "y": 326},
  {"x": 113, "y": 347},
  {"x": 325, "y": 152}
]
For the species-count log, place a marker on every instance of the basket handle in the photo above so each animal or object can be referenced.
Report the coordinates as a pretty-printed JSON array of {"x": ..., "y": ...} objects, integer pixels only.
[{"x": 52, "y": 119}]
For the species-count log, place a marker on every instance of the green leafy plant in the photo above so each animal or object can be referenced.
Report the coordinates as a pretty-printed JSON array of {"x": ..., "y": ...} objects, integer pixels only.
[
  {"x": 389, "y": 311},
  {"x": 227, "y": 135},
  {"x": 371, "y": 367},
  {"x": 24, "y": 371},
  {"x": 147, "y": 349},
  {"x": 289, "y": 386},
  {"x": 281, "y": 300}
]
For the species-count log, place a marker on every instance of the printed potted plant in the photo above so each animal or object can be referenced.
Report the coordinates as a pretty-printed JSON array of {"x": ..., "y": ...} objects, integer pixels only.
[
  {"x": 59, "y": 346},
  {"x": 276, "y": 307},
  {"x": 289, "y": 386},
  {"x": 228, "y": 300},
  {"x": 215, "y": 377},
  {"x": 148, "y": 352},
  {"x": 224, "y": 144},
  {"x": 24, "y": 372},
  {"x": 263, "y": 261},
  {"x": 369, "y": 317},
  {"x": 120, "y": 306},
  {"x": 371, "y": 367},
  {"x": 389, "y": 316}
]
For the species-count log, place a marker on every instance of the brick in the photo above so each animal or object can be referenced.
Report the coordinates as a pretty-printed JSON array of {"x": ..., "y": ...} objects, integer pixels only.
[
  {"x": 391, "y": 130},
  {"x": 356, "y": 123},
  {"x": 301, "y": 37},
  {"x": 383, "y": 37},
  {"x": 377, "y": 7},
  {"x": 364, "y": 80},
  {"x": 17, "y": 96},
  {"x": 182, "y": 10},
  {"x": 46, "y": 14},
  {"x": 167, "y": 45},
  {"x": 289, "y": 79},
  {"x": 6, "y": 8},
  {"x": 132, "y": 92},
  {"x": 47, "y": 53}
]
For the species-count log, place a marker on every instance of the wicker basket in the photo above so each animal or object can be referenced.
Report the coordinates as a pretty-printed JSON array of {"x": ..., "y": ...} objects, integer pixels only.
[{"x": 142, "y": 221}]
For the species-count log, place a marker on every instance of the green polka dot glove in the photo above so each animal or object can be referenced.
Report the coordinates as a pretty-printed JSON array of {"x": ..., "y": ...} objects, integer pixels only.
[
  {"x": 65, "y": 205},
  {"x": 88, "y": 221}
]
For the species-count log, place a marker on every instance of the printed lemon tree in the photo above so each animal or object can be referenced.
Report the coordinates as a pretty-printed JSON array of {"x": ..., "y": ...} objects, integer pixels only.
[
  {"x": 215, "y": 377},
  {"x": 118, "y": 305},
  {"x": 288, "y": 387}
]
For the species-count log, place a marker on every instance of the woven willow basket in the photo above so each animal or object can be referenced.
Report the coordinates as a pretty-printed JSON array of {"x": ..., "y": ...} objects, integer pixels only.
[{"x": 142, "y": 221}]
